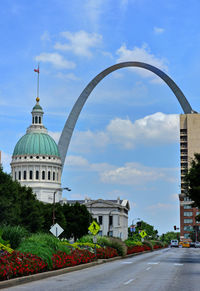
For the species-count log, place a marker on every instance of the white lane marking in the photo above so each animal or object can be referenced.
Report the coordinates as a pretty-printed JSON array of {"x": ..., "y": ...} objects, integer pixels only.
[
  {"x": 176, "y": 264},
  {"x": 127, "y": 262},
  {"x": 129, "y": 281},
  {"x": 156, "y": 263},
  {"x": 148, "y": 268}
]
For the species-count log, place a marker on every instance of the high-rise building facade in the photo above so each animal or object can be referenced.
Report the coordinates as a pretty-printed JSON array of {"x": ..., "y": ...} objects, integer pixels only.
[{"x": 189, "y": 145}]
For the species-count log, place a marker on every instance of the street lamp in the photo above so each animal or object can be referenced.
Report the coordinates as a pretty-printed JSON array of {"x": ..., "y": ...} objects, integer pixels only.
[{"x": 54, "y": 194}]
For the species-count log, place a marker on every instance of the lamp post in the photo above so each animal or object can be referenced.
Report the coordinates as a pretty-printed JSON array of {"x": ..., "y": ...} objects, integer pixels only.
[{"x": 54, "y": 194}]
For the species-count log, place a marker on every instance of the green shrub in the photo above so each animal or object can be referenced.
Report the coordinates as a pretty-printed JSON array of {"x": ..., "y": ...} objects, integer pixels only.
[
  {"x": 86, "y": 238},
  {"x": 130, "y": 243},
  {"x": 148, "y": 243},
  {"x": 43, "y": 245},
  {"x": 14, "y": 234},
  {"x": 118, "y": 244},
  {"x": 36, "y": 248}
]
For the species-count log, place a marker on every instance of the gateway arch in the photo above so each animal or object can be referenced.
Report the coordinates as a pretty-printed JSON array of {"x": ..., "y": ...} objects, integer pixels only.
[{"x": 69, "y": 126}]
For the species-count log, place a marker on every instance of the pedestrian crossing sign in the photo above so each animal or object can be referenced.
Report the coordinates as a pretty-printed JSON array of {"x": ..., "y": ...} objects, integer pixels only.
[
  {"x": 142, "y": 233},
  {"x": 94, "y": 228}
]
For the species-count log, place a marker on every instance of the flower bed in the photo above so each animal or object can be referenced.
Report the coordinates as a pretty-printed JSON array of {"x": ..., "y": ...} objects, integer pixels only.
[
  {"x": 137, "y": 249},
  {"x": 17, "y": 264}
]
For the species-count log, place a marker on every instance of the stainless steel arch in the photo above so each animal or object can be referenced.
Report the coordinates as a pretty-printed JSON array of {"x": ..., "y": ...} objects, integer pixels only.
[{"x": 67, "y": 131}]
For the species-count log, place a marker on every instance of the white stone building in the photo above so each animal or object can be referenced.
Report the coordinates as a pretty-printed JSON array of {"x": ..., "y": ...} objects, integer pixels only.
[
  {"x": 36, "y": 160},
  {"x": 112, "y": 215}
]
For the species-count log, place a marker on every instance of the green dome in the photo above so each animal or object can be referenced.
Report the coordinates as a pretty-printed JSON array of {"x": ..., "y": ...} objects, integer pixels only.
[
  {"x": 37, "y": 107},
  {"x": 36, "y": 143}
]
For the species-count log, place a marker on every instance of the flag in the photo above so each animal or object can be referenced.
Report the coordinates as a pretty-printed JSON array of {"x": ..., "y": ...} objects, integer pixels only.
[{"x": 37, "y": 70}]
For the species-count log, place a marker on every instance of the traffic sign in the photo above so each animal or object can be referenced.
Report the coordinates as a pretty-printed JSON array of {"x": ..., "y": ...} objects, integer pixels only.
[
  {"x": 143, "y": 234},
  {"x": 94, "y": 228},
  {"x": 56, "y": 229}
]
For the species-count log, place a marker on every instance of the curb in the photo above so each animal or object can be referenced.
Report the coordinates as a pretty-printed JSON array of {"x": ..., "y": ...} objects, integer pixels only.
[{"x": 40, "y": 276}]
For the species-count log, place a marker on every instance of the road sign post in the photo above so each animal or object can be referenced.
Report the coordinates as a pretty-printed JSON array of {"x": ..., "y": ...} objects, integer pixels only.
[{"x": 94, "y": 229}]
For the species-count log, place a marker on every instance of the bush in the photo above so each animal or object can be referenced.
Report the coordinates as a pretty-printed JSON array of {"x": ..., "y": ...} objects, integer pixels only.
[
  {"x": 14, "y": 234},
  {"x": 119, "y": 245},
  {"x": 130, "y": 243},
  {"x": 44, "y": 246},
  {"x": 86, "y": 238},
  {"x": 148, "y": 243}
]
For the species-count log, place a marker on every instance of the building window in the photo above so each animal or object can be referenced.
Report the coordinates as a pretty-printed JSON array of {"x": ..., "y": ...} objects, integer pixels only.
[
  {"x": 197, "y": 213},
  {"x": 110, "y": 220},
  {"x": 186, "y": 235},
  {"x": 39, "y": 119},
  {"x": 57, "y": 176},
  {"x": 188, "y": 213},
  {"x": 19, "y": 175},
  {"x": 24, "y": 175},
  {"x": 187, "y": 206},
  {"x": 110, "y": 233},
  {"x": 49, "y": 175},
  {"x": 100, "y": 220},
  {"x": 33, "y": 120},
  {"x": 36, "y": 119},
  {"x": 188, "y": 220},
  {"x": 43, "y": 175},
  {"x": 184, "y": 165},
  {"x": 188, "y": 228},
  {"x": 37, "y": 175},
  {"x": 187, "y": 199},
  {"x": 54, "y": 174},
  {"x": 30, "y": 175}
]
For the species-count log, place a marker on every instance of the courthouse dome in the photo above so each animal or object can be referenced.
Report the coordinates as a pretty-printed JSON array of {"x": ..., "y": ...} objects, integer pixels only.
[{"x": 36, "y": 143}]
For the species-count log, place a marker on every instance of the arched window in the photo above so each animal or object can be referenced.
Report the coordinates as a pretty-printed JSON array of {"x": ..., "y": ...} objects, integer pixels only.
[
  {"x": 31, "y": 175},
  {"x": 54, "y": 174},
  {"x": 33, "y": 120},
  {"x": 19, "y": 175},
  {"x": 49, "y": 175},
  {"x": 39, "y": 119},
  {"x": 43, "y": 175},
  {"x": 36, "y": 119},
  {"x": 24, "y": 175},
  {"x": 37, "y": 175}
]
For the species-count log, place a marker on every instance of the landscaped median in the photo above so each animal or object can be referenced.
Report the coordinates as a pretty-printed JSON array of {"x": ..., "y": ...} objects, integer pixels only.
[{"x": 42, "y": 252}]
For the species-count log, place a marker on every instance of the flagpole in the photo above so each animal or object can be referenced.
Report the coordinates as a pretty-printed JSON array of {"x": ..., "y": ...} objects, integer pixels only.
[{"x": 38, "y": 82}]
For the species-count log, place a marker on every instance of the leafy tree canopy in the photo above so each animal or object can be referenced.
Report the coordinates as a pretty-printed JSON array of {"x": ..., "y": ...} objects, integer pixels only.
[{"x": 192, "y": 179}]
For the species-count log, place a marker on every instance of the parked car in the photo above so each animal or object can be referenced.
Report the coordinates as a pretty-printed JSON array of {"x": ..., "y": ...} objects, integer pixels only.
[
  {"x": 174, "y": 243},
  {"x": 197, "y": 244},
  {"x": 192, "y": 244},
  {"x": 185, "y": 244}
]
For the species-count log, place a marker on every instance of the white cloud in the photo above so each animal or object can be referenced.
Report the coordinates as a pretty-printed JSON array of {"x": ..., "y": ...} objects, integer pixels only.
[
  {"x": 155, "y": 128},
  {"x": 161, "y": 206},
  {"x": 127, "y": 174},
  {"x": 134, "y": 173},
  {"x": 45, "y": 36},
  {"x": 80, "y": 43},
  {"x": 158, "y": 128},
  {"x": 144, "y": 55},
  {"x": 93, "y": 10},
  {"x": 6, "y": 160},
  {"x": 69, "y": 76},
  {"x": 56, "y": 60},
  {"x": 158, "y": 30}
]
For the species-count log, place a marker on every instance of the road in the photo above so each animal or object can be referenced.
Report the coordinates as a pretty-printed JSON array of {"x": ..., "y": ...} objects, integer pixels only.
[{"x": 164, "y": 270}]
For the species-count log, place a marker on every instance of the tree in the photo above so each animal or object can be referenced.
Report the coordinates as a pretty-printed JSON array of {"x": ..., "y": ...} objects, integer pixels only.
[
  {"x": 167, "y": 237},
  {"x": 193, "y": 181},
  {"x": 149, "y": 229},
  {"x": 78, "y": 220}
]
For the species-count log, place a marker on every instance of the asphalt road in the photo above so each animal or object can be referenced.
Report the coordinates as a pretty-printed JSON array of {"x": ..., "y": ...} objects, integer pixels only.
[{"x": 164, "y": 270}]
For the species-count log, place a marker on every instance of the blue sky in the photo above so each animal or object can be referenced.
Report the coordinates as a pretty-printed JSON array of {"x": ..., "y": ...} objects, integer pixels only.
[{"x": 126, "y": 141}]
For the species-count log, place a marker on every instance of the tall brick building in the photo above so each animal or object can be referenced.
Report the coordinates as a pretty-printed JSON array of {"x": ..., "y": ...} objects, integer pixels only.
[{"x": 189, "y": 144}]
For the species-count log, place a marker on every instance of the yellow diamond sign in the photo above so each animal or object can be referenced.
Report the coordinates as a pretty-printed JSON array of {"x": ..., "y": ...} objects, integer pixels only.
[
  {"x": 142, "y": 233},
  {"x": 94, "y": 228}
]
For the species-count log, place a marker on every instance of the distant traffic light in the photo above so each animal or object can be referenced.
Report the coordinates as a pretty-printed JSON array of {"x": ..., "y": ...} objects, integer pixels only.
[{"x": 174, "y": 227}]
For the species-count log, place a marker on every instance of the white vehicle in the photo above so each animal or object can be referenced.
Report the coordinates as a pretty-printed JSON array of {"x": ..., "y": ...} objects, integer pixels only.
[
  {"x": 174, "y": 243},
  {"x": 197, "y": 244}
]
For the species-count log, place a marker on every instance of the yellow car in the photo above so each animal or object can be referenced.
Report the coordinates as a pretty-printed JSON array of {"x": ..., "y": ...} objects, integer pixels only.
[{"x": 184, "y": 244}]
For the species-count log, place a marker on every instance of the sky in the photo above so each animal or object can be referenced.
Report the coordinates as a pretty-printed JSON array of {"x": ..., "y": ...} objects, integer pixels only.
[{"x": 126, "y": 140}]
